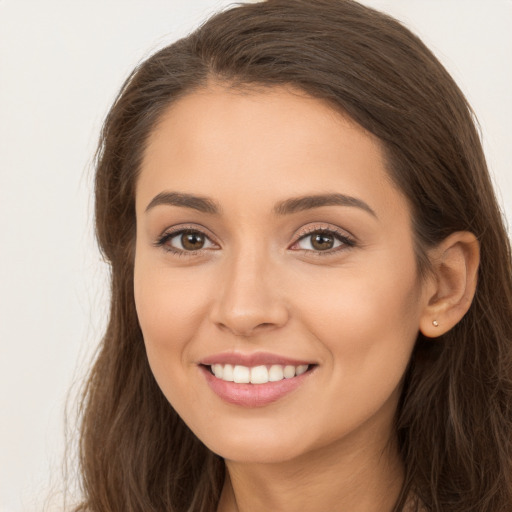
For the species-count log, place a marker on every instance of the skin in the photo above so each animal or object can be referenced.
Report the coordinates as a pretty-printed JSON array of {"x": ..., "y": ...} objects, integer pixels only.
[{"x": 259, "y": 285}]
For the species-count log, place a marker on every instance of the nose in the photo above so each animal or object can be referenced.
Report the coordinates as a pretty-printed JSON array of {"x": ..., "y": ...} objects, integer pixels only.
[{"x": 250, "y": 299}]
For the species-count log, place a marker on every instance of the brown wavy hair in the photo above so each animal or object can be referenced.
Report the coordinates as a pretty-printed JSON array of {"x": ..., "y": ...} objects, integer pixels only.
[{"x": 454, "y": 420}]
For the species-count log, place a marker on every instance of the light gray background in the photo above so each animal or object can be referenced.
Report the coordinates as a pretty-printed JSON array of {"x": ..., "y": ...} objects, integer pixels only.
[{"x": 61, "y": 64}]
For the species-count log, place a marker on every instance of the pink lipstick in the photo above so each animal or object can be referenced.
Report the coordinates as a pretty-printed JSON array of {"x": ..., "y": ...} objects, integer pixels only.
[{"x": 254, "y": 380}]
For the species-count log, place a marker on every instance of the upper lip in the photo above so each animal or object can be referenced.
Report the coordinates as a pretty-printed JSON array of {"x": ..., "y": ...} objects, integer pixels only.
[{"x": 250, "y": 360}]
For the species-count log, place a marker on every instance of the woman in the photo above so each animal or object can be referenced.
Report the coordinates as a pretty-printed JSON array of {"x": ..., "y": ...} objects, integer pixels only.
[{"x": 311, "y": 280}]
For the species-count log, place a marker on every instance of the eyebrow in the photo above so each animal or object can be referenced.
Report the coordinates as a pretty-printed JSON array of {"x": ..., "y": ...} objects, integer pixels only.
[
  {"x": 298, "y": 204},
  {"x": 202, "y": 204},
  {"x": 286, "y": 207}
]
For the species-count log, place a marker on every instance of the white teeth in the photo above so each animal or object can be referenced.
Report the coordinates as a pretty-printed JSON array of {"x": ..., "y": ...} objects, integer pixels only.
[
  {"x": 301, "y": 369},
  {"x": 227, "y": 373},
  {"x": 275, "y": 373},
  {"x": 289, "y": 371},
  {"x": 218, "y": 370},
  {"x": 257, "y": 374},
  {"x": 241, "y": 374}
]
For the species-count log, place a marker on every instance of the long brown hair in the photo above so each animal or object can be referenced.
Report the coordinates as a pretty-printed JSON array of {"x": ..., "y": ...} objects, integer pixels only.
[{"x": 454, "y": 420}]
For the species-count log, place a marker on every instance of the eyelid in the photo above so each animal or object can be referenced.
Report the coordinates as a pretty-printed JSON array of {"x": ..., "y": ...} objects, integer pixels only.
[
  {"x": 322, "y": 226},
  {"x": 348, "y": 240},
  {"x": 173, "y": 231}
]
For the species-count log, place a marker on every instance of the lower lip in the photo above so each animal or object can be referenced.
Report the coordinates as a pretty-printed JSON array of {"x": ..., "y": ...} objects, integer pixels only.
[{"x": 252, "y": 395}]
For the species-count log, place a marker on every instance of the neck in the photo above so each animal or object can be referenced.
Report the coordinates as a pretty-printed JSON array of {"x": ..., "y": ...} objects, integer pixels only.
[{"x": 343, "y": 477}]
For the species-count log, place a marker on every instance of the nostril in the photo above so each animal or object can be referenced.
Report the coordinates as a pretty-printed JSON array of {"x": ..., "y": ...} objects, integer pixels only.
[{"x": 246, "y": 310}]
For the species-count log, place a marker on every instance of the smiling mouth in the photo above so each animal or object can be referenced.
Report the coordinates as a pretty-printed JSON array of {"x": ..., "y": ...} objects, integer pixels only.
[
  {"x": 260, "y": 382},
  {"x": 261, "y": 374}
]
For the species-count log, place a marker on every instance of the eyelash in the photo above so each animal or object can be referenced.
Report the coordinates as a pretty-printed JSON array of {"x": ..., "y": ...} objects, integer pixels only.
[{"x": 346, "y": 241}]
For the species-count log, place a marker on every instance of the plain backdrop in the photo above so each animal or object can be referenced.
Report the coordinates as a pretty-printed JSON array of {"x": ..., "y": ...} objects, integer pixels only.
[{"x": 61, "y": 64}]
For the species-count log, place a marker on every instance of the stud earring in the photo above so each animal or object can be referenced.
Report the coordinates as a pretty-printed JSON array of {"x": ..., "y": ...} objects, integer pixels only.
[{"x": 435, "y": 323}]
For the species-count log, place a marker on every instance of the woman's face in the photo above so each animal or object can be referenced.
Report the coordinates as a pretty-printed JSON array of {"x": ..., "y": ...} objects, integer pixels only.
[{"x": 270, "y": 240}]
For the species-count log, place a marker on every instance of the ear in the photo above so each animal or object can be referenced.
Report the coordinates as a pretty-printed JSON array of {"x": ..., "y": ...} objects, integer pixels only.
[{"x": 452, "y": 287}]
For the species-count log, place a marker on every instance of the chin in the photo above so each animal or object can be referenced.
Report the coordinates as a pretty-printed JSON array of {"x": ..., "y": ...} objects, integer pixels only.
[{"x": 256, "y": 449}]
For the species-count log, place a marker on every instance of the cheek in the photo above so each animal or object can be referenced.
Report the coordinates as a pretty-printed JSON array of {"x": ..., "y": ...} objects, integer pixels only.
[
  {"x": 369, "y": 314},
  {"x": 368, "y": 328},
  {"x": 381, "y": 298},
  {"x": 170, "y": 307},
  {"x": 368, "y": 325},
  {"x": 167, "y": 302}
]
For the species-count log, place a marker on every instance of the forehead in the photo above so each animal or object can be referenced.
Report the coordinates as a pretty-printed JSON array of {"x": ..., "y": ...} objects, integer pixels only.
[{"x": 265, "y": 143}]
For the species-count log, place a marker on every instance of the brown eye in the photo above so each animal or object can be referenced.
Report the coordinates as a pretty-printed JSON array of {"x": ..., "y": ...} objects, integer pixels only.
[
  {"x": 184, "y": 241},
  {"x": 192, "y": 241},
  {"x": 322, "y": 241}
]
